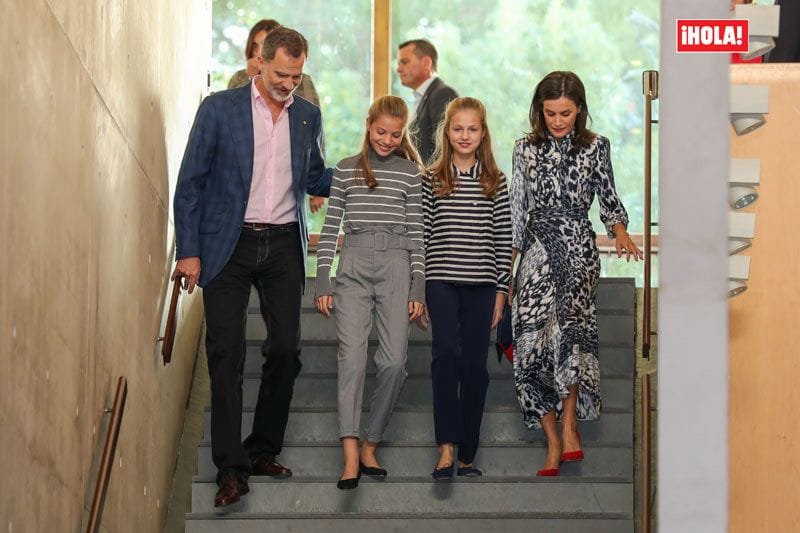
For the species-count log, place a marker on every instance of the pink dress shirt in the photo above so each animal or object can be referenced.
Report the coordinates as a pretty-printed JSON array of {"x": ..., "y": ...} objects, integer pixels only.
[{"x": 271, "y": 197}]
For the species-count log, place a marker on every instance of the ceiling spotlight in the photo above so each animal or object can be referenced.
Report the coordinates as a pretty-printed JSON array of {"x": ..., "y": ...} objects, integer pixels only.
[
  {"x": 735, "y": 288},
  {"x": 748, "y": 105},
  {"x": 745, "y": 123},
  {"x": 738, "y": 273},
  {"x": 764, "y": 22},
  {"x": 744, "y": 175},
  {"x": 741, "y": 228},
  {"x": 740, "y": 197},
  {"x": 738, "y": 245}
]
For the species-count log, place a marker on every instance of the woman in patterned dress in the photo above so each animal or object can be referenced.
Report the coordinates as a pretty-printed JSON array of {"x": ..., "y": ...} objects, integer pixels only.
[{"x": 558, "y": 168}]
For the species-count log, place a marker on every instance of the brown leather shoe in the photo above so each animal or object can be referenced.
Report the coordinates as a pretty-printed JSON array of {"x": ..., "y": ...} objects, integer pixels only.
[
  {"x": 231, "y": 487},
  {"x": 267, "y": 466}
]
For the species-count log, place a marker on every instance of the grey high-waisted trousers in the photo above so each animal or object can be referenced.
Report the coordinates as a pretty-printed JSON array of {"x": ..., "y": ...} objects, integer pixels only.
[{"x": 373, "y": 280}]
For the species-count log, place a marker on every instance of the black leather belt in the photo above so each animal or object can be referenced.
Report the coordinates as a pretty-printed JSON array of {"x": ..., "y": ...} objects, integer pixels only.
[{"x": 263, "y": 226}]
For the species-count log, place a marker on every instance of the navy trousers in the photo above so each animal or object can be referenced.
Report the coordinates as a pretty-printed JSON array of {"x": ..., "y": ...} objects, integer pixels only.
[{"x": 461, "y": 317}]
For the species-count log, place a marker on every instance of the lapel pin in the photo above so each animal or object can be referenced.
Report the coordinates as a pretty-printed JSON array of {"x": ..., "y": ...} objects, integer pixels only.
[{"x": 305, "y": 123}]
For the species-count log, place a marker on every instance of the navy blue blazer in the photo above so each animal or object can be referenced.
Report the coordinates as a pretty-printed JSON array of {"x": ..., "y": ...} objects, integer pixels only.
[{"x": 214, "y": 180}]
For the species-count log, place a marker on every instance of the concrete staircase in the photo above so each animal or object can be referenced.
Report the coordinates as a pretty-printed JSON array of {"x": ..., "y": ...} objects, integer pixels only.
[{"x": 593, "y": 496}]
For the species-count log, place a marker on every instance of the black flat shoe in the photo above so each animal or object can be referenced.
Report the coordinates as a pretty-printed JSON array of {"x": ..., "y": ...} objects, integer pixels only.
[
  {"x": 347, "y": 484},
  {"x": 372, "y": 471},
  {"x": 468, "y": 471},
  {"x": 443, "y": 474}
]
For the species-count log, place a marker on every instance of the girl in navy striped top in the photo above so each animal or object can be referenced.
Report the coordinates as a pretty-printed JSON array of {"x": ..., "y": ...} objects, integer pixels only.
[{"x": 467, "y": 271}]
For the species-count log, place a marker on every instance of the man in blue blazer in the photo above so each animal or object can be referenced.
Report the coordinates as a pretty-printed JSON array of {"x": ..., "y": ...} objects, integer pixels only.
[{"x": 240, "y": 221}]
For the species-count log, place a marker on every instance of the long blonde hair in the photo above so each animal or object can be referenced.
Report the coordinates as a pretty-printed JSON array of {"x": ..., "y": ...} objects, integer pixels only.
[
  {"x": 443, "y": 179},
  {"x": 394, "y": 107}
]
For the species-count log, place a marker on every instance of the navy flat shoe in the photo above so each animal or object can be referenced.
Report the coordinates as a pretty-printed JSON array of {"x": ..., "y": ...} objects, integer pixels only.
[
  {"x": 443, "y": 474},
  {"x": 469, "y": 471}
]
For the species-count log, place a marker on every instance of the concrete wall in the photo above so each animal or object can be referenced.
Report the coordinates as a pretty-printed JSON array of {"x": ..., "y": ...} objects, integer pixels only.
[
  {"x": 764, "y": 356},
  {"x": 693, "y": 265},
  {"x": 98, "y": 97}
]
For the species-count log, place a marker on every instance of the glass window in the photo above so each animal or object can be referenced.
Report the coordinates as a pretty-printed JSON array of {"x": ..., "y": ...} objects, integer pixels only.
[
  {"x": 495, "y": 50},
  {"x": 498, "y": 50}
]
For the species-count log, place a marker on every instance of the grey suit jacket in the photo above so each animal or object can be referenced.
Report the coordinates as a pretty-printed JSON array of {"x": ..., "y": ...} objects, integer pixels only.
[{"x": 429, "y": 113}]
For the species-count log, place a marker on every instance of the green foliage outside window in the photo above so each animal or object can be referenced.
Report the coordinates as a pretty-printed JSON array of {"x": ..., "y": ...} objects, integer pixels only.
[{"x": 499, "y": 50}]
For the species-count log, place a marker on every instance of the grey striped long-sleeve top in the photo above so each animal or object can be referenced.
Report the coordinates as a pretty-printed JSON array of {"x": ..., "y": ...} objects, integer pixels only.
[{"x": 394, "y": 206}]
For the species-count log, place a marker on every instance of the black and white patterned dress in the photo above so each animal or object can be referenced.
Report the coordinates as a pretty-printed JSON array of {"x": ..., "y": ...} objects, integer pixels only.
[{"x": 555, "y": 325}]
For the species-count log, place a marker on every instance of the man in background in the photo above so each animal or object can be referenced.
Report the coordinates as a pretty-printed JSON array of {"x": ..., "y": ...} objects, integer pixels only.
[{"x": 416, "y": 66}]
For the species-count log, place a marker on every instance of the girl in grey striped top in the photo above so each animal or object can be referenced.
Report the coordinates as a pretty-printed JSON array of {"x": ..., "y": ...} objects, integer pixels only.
[
  {"x": 468, "y": 269},
  {"x": 377, "y": 197}
]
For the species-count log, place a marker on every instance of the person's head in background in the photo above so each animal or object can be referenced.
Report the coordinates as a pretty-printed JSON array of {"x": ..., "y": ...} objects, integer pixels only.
[
  {"x": 416, "y": 62},
  {"x": 255, "y": 40},
  {"x": 735, "y": 2},
  {"x": 257, "y": 35}
]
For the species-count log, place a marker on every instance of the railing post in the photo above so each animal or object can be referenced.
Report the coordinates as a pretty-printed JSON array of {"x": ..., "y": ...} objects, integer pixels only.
[
  {"x": 646, "y": 512},
  {"x": 650, "y": 90}
]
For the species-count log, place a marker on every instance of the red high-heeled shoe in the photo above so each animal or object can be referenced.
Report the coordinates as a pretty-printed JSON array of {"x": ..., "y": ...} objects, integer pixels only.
[
  {"x": 573, "y": 456},
  {"x": 548, "y": 472}
]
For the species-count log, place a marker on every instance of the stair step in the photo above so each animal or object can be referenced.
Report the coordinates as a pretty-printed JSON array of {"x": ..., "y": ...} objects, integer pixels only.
[
  {"x": 595, "y": 495},
  {"x": 326, "y": 461},
  {"x": 614, "y": 429},
  {"x": 318, "y": 358},
  {"x": 315, "y": 327},
  {"x": 615, "y": 295},
  {"x": 258, "y": 523},
  {"x": 534, "y": 497},
  {"x": 320, "y": 391}
]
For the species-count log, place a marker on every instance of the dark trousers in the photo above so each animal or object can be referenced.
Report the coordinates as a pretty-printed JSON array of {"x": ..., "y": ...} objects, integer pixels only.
[
  {"x": 271, "y": 261},
  {"x": 461, "y": 318}
]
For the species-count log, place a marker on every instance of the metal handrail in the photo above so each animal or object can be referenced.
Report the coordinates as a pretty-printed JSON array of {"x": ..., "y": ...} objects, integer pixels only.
[
  {"x": 107, "y": 460},
  {"x": 650, "y": 91},
  {"x": 169, "y": 328}
]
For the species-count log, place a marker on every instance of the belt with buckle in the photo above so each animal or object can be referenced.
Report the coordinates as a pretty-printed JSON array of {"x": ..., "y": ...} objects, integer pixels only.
[
  {"x": 263, "y": 226},
  {"x": 380, "y": 241}
]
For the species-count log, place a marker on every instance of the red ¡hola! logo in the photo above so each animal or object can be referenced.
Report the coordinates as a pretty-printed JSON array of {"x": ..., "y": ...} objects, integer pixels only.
[{"x": 712, "y": 35}]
